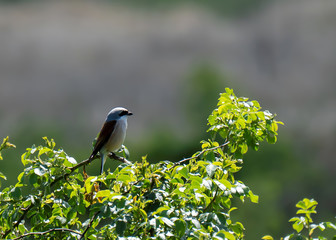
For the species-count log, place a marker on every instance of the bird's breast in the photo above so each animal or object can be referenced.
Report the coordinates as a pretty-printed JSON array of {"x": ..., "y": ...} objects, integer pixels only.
[{"x": 117, "y": 137}]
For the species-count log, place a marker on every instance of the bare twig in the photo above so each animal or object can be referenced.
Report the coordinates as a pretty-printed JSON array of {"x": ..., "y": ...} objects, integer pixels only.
[
  {"x": 86, "y": 162},
  {"x": 19, "y": 220},
  {"x": 116, "y": 157},
  {"x": 49, "y": 231},
  {"x": 212, "y": 200},
  {"x": 197, "y": 155},
  {"x": 89, "y": 225}
]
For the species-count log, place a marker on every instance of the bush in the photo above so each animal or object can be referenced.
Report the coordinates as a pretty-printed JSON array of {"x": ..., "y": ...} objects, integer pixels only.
[
  {"x": 304, "y": 227},
  {"x": 186, "y": 199}
]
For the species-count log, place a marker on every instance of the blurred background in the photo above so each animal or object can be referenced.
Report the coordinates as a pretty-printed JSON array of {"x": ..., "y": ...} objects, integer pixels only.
[{"x": 65, "y": 64}]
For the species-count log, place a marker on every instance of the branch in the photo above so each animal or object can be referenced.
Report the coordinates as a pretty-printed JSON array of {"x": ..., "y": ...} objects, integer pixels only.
[
  {"x": 89, "y": 225},
  {"x": 214, "y": 197},
  {"x": 86, "y": 162},
  {"x": 25, "y": 211},
  {"x": 197, "y": 155},
  {"x": 72, "y": 169},
  {"x": 212, "y": 200},
  {"x": 46, "y": 232}
]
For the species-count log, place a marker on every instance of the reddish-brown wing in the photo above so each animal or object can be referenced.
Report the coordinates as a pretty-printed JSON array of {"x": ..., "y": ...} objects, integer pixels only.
[{"x": 103, "y": 137}]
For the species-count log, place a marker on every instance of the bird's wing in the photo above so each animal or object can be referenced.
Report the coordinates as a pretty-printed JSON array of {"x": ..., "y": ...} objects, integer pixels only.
[{"x": 103, "y": 137}]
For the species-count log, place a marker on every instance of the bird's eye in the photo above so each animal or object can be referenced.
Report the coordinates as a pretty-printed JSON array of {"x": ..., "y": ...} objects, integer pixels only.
[{"x": 123, "y": 113}]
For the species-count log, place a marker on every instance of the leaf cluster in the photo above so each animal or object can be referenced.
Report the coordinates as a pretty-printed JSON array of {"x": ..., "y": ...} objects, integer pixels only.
[
  {"x": 303, "y": 225},
  {"x": 4, "y": 145},
  {"x": 187, "y": 199}
]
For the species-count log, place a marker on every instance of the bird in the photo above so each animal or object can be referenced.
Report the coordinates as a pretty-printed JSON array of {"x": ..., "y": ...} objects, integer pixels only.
[{"x": 112, "y": 134}]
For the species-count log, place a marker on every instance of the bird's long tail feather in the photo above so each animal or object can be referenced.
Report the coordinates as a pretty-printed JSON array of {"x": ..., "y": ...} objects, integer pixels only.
[{"x": 103, "y": 156}]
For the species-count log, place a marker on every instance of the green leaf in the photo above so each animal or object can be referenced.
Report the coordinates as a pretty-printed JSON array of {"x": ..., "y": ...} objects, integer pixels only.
[
  {"x": 207, "y": 183},
  {"x": 184, "y": 172},
  {"x": 211, "y": 169},
  {"x": 267, "y": 237},
  {"x": 167, "y": 221},
  {"x": 44, "y": 150},
  {"x": 330, "y": 225},
  {"x": 161, "y": 209},
  {"x": 243, "y": 148},
  {"x": 196, "y": 223},
  {"x": 237, "y": 228},
  {"x": 271, "y": 137},
  {"x": 254, "y": 198},
  {"x": 104, "y": 194},
  {"x": 2, "y": 176},
  {"x": 16, "y": 193},
  {"x": 229, "y": 236},
  {"x": 180, "y": 227},
  {"x": 40, "y": 171},
  {"x": 220, "y": 185},
  {"x": 196, "y": 182},
  {"x": 32, "y": 179},
  {"x": 298, "y": 226},
  {"x": 121, "y": 227},
  {"x": 306, "y": 203},
  {"x": 71, "y": 160}
]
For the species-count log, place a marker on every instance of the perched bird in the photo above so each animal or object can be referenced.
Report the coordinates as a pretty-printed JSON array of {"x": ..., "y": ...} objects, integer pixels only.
[{"x": 112, "y": 134}]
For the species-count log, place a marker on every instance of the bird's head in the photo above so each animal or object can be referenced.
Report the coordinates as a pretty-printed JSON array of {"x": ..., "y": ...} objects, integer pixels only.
[{"x": 117, "y": 113}]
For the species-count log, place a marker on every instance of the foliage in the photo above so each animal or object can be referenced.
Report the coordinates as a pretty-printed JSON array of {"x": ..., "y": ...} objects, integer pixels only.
[
  {"x": 4, "y": 145},
  {"x": 187, "y": 199},
  {"x": 303, "y": 225}
]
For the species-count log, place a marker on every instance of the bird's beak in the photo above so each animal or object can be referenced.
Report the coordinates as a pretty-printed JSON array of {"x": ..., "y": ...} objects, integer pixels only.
[{"x": 129, "y": 114}]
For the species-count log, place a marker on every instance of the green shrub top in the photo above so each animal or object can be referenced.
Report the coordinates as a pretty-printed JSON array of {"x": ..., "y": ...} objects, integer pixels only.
[{"x": 185, "y": 199}]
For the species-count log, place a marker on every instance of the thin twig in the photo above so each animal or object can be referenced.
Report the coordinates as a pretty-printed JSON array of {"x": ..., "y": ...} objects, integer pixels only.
[
  {"x": 46, "y": 232},
  {"x": 19, "y": 220},
  {"x": 216, "y": 194},
  {"x": 89, "y": 225},
  {"x": 86, "y": 162},
  {"x": 118, "y": 158},
  {"x": 212, "y": 200},
  {"x": 197, "y": 155}
]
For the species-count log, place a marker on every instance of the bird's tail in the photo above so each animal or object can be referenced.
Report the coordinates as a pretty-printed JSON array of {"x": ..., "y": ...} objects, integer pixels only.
[{"x": 103, "y": 156}]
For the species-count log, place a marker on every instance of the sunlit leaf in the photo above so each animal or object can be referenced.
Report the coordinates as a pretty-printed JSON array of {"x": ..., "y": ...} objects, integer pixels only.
[
  {"x": 180, "y": 227},
  {"x": 167, "y": 221},
  {"x": 267, "y": 237},
  {"x": 3, "y": 176},
  {"x": 211, "y": 169}
]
